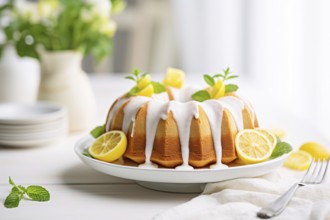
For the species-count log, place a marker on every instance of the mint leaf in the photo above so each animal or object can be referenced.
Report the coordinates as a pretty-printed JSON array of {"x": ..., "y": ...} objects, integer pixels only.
[
  {"x": 219, "y": 75},
  {"x": 86, "y": 153},
  {"x": 13, "y": 199},
  {"x": 131, "y": 78},
  {"x": 209, "y": 80},
  {"x": 11, "y": 182},
  {"x": 280, "y": 149},
  {"x": 133, "y": 91},
  {"x": 201, "y": 96},
  {"x": 98, "y": 131},
  {"x": 158, "y": 87},
  {"x": 231, "y": 88},
  {"x": 38, "y": 193},
  {"x": 136, "y": 72}
]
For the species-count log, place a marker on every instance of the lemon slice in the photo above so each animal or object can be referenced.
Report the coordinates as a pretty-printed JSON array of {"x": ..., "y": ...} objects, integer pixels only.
[
  {"x": 317, "y": 150},
  {"x": 147, "y": 91},
  {"x": 144, "y": 81},
  {"x": 252, "y": 146},
  {"x": 174, "y": 77},
  {"x": 269, "y": 135},
  {"x": 109, "y": 146},
  {"x": 278, "y": 132},
  {"x": 218, "y": 90},
  {"x": 299, "y": 160}
]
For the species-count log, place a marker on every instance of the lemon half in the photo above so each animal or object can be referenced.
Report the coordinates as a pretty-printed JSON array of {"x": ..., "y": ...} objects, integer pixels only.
[{"x": 109, "y": 146}]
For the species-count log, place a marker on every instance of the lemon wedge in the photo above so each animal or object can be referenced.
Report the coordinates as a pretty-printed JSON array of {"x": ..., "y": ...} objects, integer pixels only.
[
  {"x": 252, "y": 146},
  {"x": 174, "y": 77},
  {"x": 269, "y": 135},
  {"x": 109, "y": 146},
  {"x": 147, "y": 91},
  {"x": 299, "y": 160},
  {"x": 144, "y": 82},
  {"x": 317, "y": 150},
  {"x": 218, "y": 90}
]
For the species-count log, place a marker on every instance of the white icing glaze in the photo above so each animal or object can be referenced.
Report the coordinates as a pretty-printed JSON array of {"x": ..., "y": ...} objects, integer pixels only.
[
  {"x": 183, "y": 95},
  {"x": 183, "y": 114},
  {"x": 161, "y": 96},
  {"x": 214, "y": 112},
  {"x": 113, "y": 111},
  {"x": 156, "y": 110},
  {"x": 131, "y": 109},
  {"x": 235, "y": 107}
]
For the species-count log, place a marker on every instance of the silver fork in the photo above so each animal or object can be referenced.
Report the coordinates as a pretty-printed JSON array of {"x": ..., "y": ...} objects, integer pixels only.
[{"x": 314, "y": 175}]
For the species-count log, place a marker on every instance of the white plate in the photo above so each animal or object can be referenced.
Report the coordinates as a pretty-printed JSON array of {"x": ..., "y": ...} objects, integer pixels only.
[
  {"x": 9, "y": 128},
  {"x": 31, "y": 143},
  {"x": 163, "y": 175},
  {"x": 30, "y": 113}
]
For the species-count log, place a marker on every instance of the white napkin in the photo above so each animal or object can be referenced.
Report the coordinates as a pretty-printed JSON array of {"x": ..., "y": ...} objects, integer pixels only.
[{"x": 242, "y": 199}]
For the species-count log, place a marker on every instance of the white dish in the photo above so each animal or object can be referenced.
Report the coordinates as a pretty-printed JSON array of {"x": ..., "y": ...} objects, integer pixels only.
[
  {"x": 30, "y": 136},
  {"x": 9, "y": 128},
  {"x": 150, "y": 177},
  {"x": 31, "y": 143},
  {"x": 30, "y": 113}
]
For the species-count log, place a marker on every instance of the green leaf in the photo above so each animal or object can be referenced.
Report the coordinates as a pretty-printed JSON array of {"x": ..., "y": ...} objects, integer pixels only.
[
  {"x": 11, "y": 182},
  {"x": 136, "y": 72},
  {"x": 231, "y": 88},
  {"x": 13, "y": 199},
  {"x": 232, "y": 77},
  {"x": 219, "y": 75},
  {"x": 133, "y": 91},
  {"x": 201, "y": 96},
  {"x": 98, "y": 131},
  {"x": 131, "y": 78},
  {"x": 158, "y": 87},
  {"x": 227, "y": 71},
  {"x": 209, "y": 80},
  {"x": 280, "y": 149},
  {"x": 86, "y": 153},
  {"x": 38, "y": 193}
]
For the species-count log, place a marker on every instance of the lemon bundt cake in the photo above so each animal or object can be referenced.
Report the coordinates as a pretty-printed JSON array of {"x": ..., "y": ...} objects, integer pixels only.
[{"x": 172, "y": 130}]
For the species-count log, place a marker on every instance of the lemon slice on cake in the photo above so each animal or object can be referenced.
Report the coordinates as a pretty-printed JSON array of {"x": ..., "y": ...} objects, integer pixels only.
[
  {"x": 299, "y": 160},
  {"x": 147, "y": 91},
  {"x": 218, "y": 90},
  {"x": 109, "y": 146},
  {"x": 174, "y": 77},
  {"x": 144, "y": 81},
  {"x": 252, "y": 146}
]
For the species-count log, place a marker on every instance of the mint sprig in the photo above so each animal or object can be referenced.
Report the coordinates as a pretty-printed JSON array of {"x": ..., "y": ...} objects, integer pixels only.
[
  {"x": 203, "y": 95},
  {"x": 136, "y": 76},
  {"x": 35, "y": 193}
]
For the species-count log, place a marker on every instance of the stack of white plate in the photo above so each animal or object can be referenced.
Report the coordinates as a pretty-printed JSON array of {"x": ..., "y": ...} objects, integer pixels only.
[{"x": 27, "y": 125}]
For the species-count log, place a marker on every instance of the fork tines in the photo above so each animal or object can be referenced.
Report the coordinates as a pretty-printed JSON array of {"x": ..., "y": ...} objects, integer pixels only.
[{"x": 316, "y": 172}]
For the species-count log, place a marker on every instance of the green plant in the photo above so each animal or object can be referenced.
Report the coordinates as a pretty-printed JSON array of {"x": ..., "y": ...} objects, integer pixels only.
[{"x": 81, "y": 25}]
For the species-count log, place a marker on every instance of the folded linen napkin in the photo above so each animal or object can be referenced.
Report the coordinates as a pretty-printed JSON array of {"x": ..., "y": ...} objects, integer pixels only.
[{"x": 242, "y": 199}]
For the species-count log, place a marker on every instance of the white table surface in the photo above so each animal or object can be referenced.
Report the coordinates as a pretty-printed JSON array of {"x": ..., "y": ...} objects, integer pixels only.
[{"x": 78, "y": 192}]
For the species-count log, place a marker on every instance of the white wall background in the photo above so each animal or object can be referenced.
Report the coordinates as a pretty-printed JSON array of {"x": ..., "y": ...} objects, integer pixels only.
[{"x": 282, "y": 45}]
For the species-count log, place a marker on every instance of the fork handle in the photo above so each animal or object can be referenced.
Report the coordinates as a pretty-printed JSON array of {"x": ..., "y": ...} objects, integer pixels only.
[{"x": 276, "y": 207}]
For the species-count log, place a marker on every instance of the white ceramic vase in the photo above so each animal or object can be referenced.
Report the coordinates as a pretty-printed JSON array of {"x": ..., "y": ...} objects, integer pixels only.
[
  {"x": 19, "y": 77},
  {"x": 64, "y": 82}
]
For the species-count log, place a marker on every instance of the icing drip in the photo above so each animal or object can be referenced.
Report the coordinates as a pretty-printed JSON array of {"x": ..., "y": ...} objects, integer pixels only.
[
  {"x": 156, "y": 111},
  {"x": 235, "y": 107},
  {"x": 161, "y": 96},
  {"x": 214, "y": 112},
  {"x": 113, "y": 111},
  {"x": 131, "y": 109},
  {"x": 183, "y": 114},
  {"x": 183, "y": 95}
]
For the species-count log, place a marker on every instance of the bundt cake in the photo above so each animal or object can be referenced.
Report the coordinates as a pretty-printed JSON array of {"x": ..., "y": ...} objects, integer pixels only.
[{"x": 172, "y": 130}]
